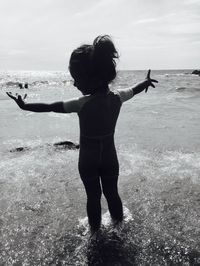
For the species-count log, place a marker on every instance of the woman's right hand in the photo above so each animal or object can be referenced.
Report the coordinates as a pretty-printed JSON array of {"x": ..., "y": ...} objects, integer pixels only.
[{"x": 18, "y": 99}]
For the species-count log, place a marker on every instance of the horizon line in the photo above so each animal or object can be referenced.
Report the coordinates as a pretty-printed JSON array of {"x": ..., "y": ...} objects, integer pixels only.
[{"x": 60, "y": 70}]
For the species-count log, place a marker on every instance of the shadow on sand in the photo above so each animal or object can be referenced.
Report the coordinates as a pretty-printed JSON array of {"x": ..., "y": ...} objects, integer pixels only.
[{"x": 111, "y": 249}]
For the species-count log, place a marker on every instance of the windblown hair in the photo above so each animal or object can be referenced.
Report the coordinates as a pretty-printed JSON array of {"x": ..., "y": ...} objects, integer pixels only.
[{"x": 94, "y": 64}]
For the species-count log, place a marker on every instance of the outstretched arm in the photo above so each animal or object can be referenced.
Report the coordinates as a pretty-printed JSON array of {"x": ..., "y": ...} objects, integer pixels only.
[
  {"x": 37, "y": 107},
  {"x": 144, "y": 85},
  {"x": 126, "y": 94}
]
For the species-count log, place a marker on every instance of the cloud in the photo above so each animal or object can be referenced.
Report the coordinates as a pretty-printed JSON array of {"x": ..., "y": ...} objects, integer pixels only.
[
  {"x": 191, "y": 2},
  {"x": 48, "y": 30},
  {"x": 147, "y": 20},
  {"x": 159, "y": 19}
]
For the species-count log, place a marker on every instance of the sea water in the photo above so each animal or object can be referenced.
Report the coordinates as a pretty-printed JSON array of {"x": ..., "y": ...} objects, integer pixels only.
[{"x": 42, "y": 199}]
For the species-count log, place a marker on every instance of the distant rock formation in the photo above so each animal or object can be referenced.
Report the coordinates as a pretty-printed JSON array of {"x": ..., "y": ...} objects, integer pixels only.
[
  {"x": 20, "y": 149},
  {"x": 21, "y": 86},
  {"x": 196, "y": 72}
]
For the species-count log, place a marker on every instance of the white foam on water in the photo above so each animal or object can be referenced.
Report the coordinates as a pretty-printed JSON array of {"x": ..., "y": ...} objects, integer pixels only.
[
  {"x": 127, "y": 215},
  {"x": 83, "y": 224},
  {"x": 160, "y": 165},
  {"x": 108, "y": 234},
  {"x": 106, "y": 220},
  {"x": 181, "y": 164},
  {"x": 133, "y": 162}
]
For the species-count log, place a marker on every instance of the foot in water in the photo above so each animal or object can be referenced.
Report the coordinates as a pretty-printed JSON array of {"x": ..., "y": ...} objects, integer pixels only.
[
  {"x": 94, "y": 234},
  {"x": 117, "y": 225}
]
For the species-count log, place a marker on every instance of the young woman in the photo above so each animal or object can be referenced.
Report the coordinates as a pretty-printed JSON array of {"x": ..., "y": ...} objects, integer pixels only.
[{"x": 93, "y": 68}]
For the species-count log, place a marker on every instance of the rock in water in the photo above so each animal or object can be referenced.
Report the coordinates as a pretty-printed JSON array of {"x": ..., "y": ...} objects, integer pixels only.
[
  {"x": 67, "y": 145},
  {"x": 196, "y": 72},
  {"x": 20, "y": 149}
]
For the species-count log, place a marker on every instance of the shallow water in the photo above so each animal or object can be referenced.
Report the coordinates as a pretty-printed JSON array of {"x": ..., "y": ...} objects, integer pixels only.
[{"x": 42, "y": 200}]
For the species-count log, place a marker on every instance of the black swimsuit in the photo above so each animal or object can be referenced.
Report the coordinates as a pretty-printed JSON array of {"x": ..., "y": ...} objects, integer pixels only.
[
  {"x": 98, "y": 119},
  {"x": 98, "y": 163}
]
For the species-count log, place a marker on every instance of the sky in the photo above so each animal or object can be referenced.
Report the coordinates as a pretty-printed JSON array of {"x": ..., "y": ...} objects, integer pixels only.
[{"x": 156, "y": 34}]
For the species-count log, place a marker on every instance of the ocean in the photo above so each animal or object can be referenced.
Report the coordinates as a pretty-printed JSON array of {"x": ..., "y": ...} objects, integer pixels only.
[{"x": 42, "y": 199}]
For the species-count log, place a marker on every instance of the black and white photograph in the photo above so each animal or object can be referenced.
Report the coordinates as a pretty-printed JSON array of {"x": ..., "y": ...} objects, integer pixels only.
[{"x": 99, "y": 133}]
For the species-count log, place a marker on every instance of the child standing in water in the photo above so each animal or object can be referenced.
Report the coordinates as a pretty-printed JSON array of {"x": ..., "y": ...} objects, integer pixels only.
[{"x": 93, "y": 68}]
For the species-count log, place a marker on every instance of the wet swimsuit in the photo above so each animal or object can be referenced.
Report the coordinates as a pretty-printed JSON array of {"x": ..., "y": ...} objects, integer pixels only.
[{"x": 98, "y": 163}]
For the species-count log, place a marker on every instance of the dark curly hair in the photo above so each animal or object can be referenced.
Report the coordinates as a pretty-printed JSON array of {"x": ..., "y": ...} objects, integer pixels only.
[{"x": 94, "y": 64}]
